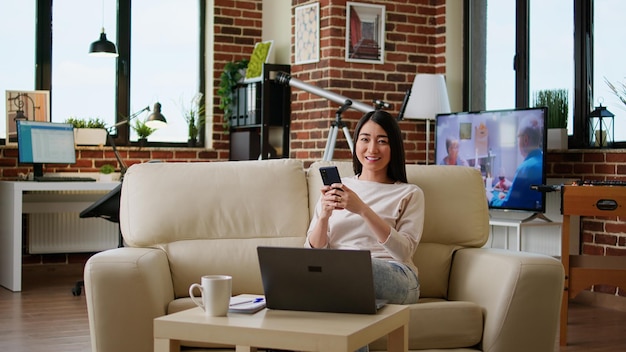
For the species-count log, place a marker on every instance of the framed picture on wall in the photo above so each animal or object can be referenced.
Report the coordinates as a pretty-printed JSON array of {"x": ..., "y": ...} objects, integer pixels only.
[
  {"x": 307, "y": 34},
  {"x": 31, "y": 105},
  {"x": 365, "y": 33}
]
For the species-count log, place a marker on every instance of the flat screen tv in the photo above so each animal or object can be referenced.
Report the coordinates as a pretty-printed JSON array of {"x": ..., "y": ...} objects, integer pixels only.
[
  {"x": 41, "y": 143},
  {"x": 507, "y": 146}
]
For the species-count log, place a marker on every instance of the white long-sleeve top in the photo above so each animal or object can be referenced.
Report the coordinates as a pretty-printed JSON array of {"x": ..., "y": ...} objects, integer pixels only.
[{"x": 401, "y": 205}]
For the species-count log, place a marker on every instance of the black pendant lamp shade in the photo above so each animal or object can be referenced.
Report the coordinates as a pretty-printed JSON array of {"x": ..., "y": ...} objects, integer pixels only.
[{"x": 103, "y": 47}]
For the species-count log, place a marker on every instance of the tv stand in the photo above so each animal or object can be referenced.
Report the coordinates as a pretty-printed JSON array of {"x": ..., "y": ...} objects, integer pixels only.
[
  {"x": 534, "y": 220},
  {"x": 539, "y": 216}
]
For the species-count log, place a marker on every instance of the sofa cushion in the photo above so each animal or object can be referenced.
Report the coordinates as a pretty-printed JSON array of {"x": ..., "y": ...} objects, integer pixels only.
[
  {"x": 441, "y": 324},
  {"x": 233, "y": 205},
  {"x": 191, "y": 259}
]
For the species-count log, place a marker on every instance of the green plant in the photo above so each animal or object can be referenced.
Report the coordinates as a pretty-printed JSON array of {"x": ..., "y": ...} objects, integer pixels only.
[
  {"x": 86, "y": 123},
  {"x": 194, "y": 116},
  {"x": 107, "y": 169},
  {"x": 556, "y": 101},
  {"x": 229, "y": 80},
  {"x": 619, "y": 90},
  {"x": 143, "y": 131}
]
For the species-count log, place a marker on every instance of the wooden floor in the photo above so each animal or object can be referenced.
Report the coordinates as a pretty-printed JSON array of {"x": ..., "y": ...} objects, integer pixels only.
[{"x": 45, "y": 316}]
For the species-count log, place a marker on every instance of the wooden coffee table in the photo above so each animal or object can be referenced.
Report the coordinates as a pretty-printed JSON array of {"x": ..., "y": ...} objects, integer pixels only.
[{"x": 288, "y": 330}]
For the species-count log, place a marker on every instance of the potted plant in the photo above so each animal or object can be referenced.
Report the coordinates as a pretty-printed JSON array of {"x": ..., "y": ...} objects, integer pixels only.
[
  {"x": 143, "y": 131},
  {"x": 106, "y": 173},
  {"x": 90, "y": 131},
  {"x": 195, "y": 118},
  {"x": 233, "y": 74},
  {"x": 556, "y": 101}
]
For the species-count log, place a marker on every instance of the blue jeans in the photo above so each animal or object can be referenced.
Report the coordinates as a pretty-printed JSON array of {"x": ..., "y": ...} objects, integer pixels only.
[{"x": 395, "y": 282}]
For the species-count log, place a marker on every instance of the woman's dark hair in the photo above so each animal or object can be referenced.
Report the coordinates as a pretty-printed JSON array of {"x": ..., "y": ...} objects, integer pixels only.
[{"x": 397, "y": 165}]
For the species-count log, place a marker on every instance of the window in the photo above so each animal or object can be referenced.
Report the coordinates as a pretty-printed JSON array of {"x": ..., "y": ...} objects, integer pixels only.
[
  {"x": 18, "y": 59},
  {"x": 82, "y": 86},
  {"x": 516, "y": 47},
  {"x": 166, "y": 39}
]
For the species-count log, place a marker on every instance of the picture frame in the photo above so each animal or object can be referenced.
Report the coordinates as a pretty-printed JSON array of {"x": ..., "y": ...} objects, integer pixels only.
[
  {"x": 307, "y": 34},
  {"x": 34, "y": 105},
  {"x": 260, "y": 55},
  {"x": 365, "y": 33}
]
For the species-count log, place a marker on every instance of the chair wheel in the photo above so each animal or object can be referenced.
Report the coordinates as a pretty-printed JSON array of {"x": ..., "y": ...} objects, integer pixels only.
[{"x": 76, "y": 291}]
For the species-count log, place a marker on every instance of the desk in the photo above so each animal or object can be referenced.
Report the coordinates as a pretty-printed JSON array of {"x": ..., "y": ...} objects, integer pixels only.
[
  {"x": 285, "y": 330},
  {"x": 518, "y": 225},
  {"x": 15, "y": 200},
  {"x": 583, "y": 271}
]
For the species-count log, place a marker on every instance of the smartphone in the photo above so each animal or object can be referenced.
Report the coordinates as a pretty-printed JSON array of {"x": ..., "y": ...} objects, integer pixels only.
[{"x": 330, "y": 175}]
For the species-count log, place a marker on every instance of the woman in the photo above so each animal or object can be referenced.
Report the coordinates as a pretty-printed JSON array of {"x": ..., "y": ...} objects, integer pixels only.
[
  {"x": 375, "y": 210},
  {"x": 453, "y": 158}
]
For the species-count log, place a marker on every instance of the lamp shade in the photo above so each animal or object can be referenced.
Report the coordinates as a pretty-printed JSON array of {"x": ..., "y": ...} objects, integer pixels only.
[
  {"x": 429, "y": 97},
  {"x": 102, "y": 47},
  {"x": 156, "y": 119}
]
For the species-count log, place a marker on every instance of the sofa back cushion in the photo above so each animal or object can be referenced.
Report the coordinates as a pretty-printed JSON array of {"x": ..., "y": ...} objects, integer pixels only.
[
  {"x": 455, "y": 216},
  {"x": 210, "y": 216}
]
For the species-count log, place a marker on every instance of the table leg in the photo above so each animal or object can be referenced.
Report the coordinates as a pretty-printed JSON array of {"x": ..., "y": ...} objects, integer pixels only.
[
  {"x": 166, "y": 345},
  {"x": 398, "y": 340}
]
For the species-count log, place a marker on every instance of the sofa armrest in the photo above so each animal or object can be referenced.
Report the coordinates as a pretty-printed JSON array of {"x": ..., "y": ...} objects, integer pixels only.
[
  {"x": 520, "y": 293},
  {"x": 126, "y": 288}
]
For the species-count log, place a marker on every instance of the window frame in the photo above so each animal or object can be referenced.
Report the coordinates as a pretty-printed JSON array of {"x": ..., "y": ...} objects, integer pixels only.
[
  {"x": 583, "y": 64},
  {"x": 43, "y": 59}
]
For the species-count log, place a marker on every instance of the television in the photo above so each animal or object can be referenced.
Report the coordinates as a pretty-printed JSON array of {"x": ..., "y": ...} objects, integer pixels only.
[
  {"x": 507, "y": 146},
  {"x": 41, "y": 143}
]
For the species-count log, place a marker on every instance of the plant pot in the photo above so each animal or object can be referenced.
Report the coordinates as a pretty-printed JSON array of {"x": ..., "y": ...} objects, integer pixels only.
[
  {"x": 191, "y": 142},
  {"x": 90, "y": 136},
  {"x": 557, "y": 139},
  {"x": 105, "y": 177},
  {"x": 142, "y": 142}
]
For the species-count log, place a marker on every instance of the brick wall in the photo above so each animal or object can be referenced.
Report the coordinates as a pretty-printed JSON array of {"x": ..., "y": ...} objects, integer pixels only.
[{"x": 414, "y": 43}]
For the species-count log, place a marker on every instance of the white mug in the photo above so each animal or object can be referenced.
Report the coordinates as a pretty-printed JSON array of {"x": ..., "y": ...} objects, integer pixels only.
[{"x": 215, "y": 294}]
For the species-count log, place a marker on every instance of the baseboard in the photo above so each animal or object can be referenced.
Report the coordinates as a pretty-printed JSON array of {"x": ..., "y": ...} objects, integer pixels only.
[{"x": 601, "y": 300}]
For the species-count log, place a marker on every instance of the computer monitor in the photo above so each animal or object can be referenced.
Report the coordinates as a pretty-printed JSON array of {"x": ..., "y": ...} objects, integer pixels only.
[{"x": 45, "y": 143}]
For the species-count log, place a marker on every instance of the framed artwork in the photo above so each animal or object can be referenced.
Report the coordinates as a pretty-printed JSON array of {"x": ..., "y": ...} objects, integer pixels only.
[
  {"x": 307, "y": 34},
  {"x": 365, "y": 33},
  {"x": 33, "y": 105}
]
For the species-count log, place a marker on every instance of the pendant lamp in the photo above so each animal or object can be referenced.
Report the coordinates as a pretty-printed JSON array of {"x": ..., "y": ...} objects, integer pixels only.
[{"x": 103, "y": 47}]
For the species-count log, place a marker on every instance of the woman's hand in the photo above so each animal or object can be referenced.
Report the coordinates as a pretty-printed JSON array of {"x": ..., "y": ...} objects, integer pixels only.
[{"x": 338, "y": 197}]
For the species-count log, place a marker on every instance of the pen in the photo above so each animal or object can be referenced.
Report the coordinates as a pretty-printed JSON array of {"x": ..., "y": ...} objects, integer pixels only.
[{"x": 256, "y": 300}]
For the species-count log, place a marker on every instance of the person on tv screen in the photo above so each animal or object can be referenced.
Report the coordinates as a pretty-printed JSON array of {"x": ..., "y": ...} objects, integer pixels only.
[
  {"x": 452, "y": 147},
  {"x": 375, "y": 210},
  {"x": 529, "y": 172}
]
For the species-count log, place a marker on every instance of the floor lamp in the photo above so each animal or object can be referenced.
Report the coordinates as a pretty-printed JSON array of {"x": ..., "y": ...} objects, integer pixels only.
[{"x": 428, "y": 97}]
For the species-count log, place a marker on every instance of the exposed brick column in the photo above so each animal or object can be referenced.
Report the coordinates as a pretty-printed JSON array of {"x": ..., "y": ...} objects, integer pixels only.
[{"x": 414, "y": 43}]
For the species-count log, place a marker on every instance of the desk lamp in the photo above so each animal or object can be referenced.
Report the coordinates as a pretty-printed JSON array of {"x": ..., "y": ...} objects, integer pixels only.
[
  {"x": 154, "y": 120},
  {"x": 428, "y": 97}
]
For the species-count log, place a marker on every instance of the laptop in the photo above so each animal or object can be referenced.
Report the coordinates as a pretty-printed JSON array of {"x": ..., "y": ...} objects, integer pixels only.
[{"x": 318, "y": 280}]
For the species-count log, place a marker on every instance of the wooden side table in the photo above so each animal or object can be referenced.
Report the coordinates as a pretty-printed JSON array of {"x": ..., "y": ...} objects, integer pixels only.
[
  {"x": 581, "y": 272},
  {"x": 282, "y": 329}
]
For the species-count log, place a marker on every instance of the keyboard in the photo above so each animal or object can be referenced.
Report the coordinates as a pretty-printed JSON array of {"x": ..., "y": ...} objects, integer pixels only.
[
  {"x": 600, "y": 183},
  {"x": 64, "y": 179}
]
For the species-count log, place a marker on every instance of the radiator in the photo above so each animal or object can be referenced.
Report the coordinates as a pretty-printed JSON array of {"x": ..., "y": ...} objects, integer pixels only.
[{"x": 66, "y": 232}]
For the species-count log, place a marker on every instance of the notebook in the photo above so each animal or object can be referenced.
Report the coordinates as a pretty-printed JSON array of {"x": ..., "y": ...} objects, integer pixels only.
[{"x": 319, "y": 280}]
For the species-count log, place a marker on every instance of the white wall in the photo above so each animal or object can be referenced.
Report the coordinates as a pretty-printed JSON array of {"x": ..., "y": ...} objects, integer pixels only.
[
  {"x": 454, "y": 53},
  {"x": 277, "y": 27}
]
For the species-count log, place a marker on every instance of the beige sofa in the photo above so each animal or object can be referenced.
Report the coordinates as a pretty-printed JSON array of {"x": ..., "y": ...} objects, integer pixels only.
[{"x": 184, "y": 220}]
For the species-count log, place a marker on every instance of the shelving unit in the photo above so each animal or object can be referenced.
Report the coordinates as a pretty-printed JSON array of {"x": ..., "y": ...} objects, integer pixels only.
[{"x": 260, "y": 123}]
